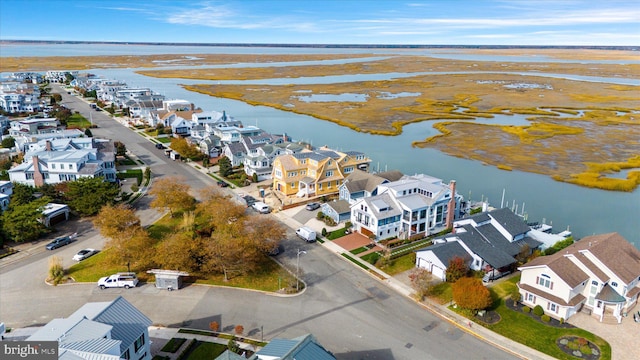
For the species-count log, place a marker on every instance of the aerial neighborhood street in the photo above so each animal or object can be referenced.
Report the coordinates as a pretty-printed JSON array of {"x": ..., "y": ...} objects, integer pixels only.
[{"x": 352, "y": 313}]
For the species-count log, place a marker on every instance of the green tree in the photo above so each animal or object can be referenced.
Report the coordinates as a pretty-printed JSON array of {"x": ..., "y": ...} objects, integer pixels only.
[
  {"x": 91, "y": 94},
  {"x": 8, "y": 142},
  {"x": 56, "y": 97},
  {"x": 171, "y": 194},
  {"x": 147, "y": 174},
  {"x": 88, "y": 133},
  {"x": 470, "y": 294},
  {"x": 22, "y": 194},
  {"x": 21, "y": 222},
  {"x": 225, "y": 166},
  {"x": 68, "y": 78},
  {"x": 88, "y": 195}
]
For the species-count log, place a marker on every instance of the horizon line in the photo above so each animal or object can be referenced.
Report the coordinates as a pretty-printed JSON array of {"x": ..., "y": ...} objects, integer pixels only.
[{"x": 364, "y": 46}]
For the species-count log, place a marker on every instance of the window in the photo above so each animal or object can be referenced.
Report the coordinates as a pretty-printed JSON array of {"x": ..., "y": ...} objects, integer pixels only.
[
  {"x": 62, "y": 166},
  {"x": 139, "y": 343},
  {"x": 614, "y": 284},
  {"x": 53, "y": 166},
  {"x": 126, "y": 355},
  {"x": 328, "y": 173},
  {"x": 552, "y": 307},
  {"x": 531, "y": 298},
  {"x": 293, "y": 185},
  {"x": 545, "y": 280}
]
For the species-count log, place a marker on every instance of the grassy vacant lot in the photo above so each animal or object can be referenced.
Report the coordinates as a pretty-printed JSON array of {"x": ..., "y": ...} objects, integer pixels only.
[
  {"x": 271, "y": 276},
  {"x": 77, "y": 121}
]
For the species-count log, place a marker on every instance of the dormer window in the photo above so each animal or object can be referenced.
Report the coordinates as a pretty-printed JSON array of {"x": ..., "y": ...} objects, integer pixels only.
[{"x": 614, "y": 284}]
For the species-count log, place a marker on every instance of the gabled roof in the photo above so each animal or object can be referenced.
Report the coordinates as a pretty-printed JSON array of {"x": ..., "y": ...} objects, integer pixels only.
[
  {"x": 612, "y": 250},
  {"x": 493, "y": 255},
  {"x": 510, "y": 221},
  {"x": 304, "y": 347},
  {"x": 445, "y": 252},
  {"x": 127, "y": 321},
  {"x": 340, "y": 206}
]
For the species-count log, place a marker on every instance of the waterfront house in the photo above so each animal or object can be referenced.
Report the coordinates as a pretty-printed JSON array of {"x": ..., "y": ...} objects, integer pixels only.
[
  {"x": 111, "y": 330},
  {"x": 491, "y": 240},
  {"x": 34, "y": 126},
  {"x": 599, "y": 274},
  {"x": 311, "y": 173},
  {"x": 411, "y": 207},
  {"x": 360, "y": 184}
]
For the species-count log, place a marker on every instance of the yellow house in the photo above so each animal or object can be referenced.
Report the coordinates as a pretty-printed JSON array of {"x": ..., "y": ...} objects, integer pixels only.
[{"x": 315, "y": 172}]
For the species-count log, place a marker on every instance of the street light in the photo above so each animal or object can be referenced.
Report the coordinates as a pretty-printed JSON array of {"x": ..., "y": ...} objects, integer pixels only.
[{"x": 298, "y": 269}]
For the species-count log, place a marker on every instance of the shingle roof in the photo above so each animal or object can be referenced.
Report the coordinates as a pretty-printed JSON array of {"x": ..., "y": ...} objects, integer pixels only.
[
  {"x": 493, "y": 255},
  {"x": 614, "y": 251},
  {"x": 447, "y": 251},
  {"x": 510, "y": 221},
  {"x": 340, "y": 206}
]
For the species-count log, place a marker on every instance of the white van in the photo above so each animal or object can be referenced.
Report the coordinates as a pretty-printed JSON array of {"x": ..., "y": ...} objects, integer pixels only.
[
  {"x": 306, "y": 233},
  {"x": 261, "y": 207}
]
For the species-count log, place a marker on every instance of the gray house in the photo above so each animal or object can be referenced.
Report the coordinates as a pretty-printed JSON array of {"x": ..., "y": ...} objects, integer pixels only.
[
  {"x": 338, "y": 210},
  {"x": 111, "y": 330}
]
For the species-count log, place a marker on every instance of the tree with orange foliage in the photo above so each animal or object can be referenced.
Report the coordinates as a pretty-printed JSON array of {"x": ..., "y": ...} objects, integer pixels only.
[
  {"x": 458, "y": 268},
  {"x": 471, "y": 294}
]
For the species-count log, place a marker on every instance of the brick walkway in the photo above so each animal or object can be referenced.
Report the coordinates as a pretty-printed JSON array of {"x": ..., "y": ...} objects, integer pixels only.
[{"x": 352, "y": 241}]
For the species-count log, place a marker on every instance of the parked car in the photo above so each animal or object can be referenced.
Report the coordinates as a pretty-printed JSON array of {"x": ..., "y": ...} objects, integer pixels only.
[
  {"x": 222, "y": 184},
  {"x": 250, "y": 200},
  {"x": 59, "y": 242},
  {"x": 261, "y": 207},
  {"x": 160, "y": 146},
  {"x": 126, "y": 280},
  {"x": 494, "y": 275},
  {"x": 83, "y": 254},
  {"x": 312, "y": 206},
  {"x": 307, "y": 234}
]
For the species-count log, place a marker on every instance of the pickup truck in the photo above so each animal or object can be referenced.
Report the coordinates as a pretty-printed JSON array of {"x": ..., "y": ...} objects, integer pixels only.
[{"x": 119, "y": 280}]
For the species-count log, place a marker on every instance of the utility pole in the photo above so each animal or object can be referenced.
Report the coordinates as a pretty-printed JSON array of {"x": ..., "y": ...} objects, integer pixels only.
[{"x": 298, "y": 269}]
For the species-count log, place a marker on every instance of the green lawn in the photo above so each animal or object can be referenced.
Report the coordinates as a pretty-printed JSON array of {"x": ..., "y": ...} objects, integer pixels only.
[
  {"x": 93, "y": 268},
  {"x": 359, "y": 250},
  {"x": 207, "y": 350},
  {"x": 371, "y": 258},
  {"x": 401, "y": 264},
  {"x": 164, "y": 140},
  {"x": 336, "y": 234},
  {"x": 271, "y": 277},
  {"x": 525, "y": 330},
  {"x": 78, "y": 121}
]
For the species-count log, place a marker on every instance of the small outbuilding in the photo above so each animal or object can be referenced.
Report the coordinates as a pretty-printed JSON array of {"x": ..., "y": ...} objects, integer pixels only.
[{"x": 168, "y": 279}]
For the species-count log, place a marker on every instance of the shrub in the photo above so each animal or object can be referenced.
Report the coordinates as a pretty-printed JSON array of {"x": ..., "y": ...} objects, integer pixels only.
[
  {"x": 56, "y": 270},
  {"x": 585, "y": 350},
  {"x": 582, "y": 341},
  {"x": 561, "y": 320},
  {"x": 324, "y": 232},
  {"x": 572, "y": 345},
  {"x": 545, "y": 318},
  {"x": 526, "y": 309},
  {"x": 239, "y": 329},
  {"x": 515, "y": 295},
  {"x": 538, "y": 311},
  {"x": 319, "y": 215}
]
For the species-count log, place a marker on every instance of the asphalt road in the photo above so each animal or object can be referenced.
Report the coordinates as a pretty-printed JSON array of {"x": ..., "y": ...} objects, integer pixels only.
[{"x": 352, "y": 314}]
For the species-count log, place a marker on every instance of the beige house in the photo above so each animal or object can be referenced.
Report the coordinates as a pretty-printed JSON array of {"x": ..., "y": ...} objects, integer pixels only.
[{"x": 599, "y": 275}]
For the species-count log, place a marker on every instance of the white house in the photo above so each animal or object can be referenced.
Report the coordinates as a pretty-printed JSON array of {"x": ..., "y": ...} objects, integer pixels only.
[
  {"x": 63, "y": 160},
  {"x": 599, "y": 274},
  {"x": 111, "y": 330},
  {"x": 490, "y": 240},
  {"x": 414, "y": 206},
  {"x": 34, "y": 126}
]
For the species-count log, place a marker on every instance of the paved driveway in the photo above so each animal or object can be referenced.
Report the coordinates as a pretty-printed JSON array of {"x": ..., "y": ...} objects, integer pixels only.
[{"x": 623, "y": 337}]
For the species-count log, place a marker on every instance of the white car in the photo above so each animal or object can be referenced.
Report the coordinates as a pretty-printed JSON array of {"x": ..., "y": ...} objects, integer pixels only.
[{"x": 83, "y": 254}]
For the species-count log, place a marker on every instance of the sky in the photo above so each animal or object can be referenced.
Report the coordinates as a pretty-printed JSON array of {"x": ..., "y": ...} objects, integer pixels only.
[{"x": 393, "y": 22}]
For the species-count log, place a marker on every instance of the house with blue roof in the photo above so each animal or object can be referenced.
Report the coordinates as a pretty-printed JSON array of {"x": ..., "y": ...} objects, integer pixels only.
[
  {"x": 304, "y": 347},
  {"x": 111, "y": 330}
]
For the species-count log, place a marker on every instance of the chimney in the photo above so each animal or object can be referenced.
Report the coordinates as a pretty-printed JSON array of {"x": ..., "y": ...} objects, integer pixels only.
[
  {"x": 38, "y": 178},
  {"x": 48, "y": 146},
  {"x": 452, "y": 204}
]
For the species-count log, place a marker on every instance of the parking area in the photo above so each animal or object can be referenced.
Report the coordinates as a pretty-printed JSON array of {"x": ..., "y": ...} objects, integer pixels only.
[{"x": 352, "y": 241}]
